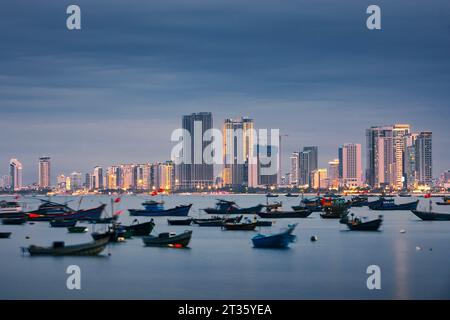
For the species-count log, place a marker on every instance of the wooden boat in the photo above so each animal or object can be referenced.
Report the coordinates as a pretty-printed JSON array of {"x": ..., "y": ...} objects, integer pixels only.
[
  {"x": 156, "y": 209},
  {"x": 389, "y": 204},
  {"x": 60, "y": 249},
  {"x": 167, "y": 239},
  {"x": 291, "y": 195},
  {"x": 359, "y": 201},
  {"x": 273, "y": 212},
  {"x": 179, "y": 222},
  {"x": 239, "y": 226},
  {"x": 312, "y": 204},
  {"x": 356, "y": 224},
  {"x": 14, "y": 221},
  {"x": 80, "y": 215},
  {"x": 140, "y": 229},
  {"x": 63, "y": 223},
  {"x": 216, "y": 221},
  {"x": 278, "y": 240},
  {"x": 5, "y": 235},
  {"x": 431, "y": 216},
  {"x": 115, "y": 233},
  {"x": 230, "y": 207},
  {"x": 77, "y": 229},
  {"x": 446, "y": 202},
  {"x": 10, "y": 209},
  {"x": 334, "y": 208}
]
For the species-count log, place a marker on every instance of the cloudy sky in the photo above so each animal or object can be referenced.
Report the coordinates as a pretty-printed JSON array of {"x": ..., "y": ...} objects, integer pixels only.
[{"x": 114, "y": 91}]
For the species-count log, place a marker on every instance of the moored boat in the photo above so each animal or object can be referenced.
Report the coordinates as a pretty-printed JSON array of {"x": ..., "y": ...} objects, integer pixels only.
[
  {"x": 244, "y": 226},
  {"x": 357, "y": 224},
  {"x": 14, "y": 221},
  {"x": 230, "y": 207},
  {"x": 179, "y": 222},
  {"x": 278, "y": 240},
  {"x": 291, "y": 195},
  {"x": 431, "y": 216},
  {"x": 140, "y": 229},
  {"x": 445, "y": 202},
  {"x": 359, "y": 201},
  {"x": 115, "y": 233},
  {"x": 278, "y": 214},
  {"x": 62, "y": 223},
  {"x": 5, "y": 235},
  {"x": 156, "y": 209},
  {"x": 10, "y": 209},
  {"x": 80, "y": 215},
  {"x": 167, "y": 239},
  {"x": 389, "y": 204},
  {"x": 60, "y": 249},
  {"x": 77, "y": 229}
]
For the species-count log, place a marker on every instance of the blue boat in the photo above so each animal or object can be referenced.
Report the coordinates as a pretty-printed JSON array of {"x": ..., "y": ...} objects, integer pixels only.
[
  {"x": 62, "y": 223},
  {"x": 389, "y": 204},
  {"x": 279, "y": 240},
  {"x": 156, "y": 209}
]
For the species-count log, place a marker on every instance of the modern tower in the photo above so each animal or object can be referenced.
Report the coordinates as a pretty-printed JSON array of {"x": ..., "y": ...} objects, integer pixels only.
[
  {"x": 424, "y": 158},
  {"x": 15, "y": 172},
  {"x": 44, "y": 172},
  {"x": 350, "y": 165}
]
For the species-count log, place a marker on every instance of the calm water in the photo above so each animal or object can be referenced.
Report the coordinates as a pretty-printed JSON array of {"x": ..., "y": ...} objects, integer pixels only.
[{"x": 223, "y": 264}]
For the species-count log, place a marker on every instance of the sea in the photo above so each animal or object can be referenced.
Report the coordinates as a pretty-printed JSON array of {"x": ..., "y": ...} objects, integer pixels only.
[{"x": 412, "y": 257}]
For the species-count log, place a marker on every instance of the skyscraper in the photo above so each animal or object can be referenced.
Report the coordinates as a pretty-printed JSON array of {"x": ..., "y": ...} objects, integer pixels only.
[
  {"x": 410, "y": 161},
  {"x": 195, "y": 172},
  {"x": 240, "y": 168},
  {"x": 75, "y": 181},
  {"x": 333, "y": 173},
  {"x": 308, "y": 162},
  {"x": 399, "y": 132},
  {"x": 97, "y": 178},
  {"x": 424, "y": 157},
  {"x": 44, "y": 172},
  {"x": 350, "y": 165},
  {"x": 294, "y": 174},
  {"x": 380, "y": 167},
  {"x": 268, "y": 165},
  {"x": 319, "y": 179},
  {"x": 15, "y": 172}
]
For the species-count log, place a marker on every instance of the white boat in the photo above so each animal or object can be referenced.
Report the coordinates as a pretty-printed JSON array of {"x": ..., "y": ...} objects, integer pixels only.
[{"x": 10, "y": 209}]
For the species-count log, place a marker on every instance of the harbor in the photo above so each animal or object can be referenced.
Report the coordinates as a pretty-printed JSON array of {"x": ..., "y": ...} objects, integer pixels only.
[{"x": 325, "y": 261}]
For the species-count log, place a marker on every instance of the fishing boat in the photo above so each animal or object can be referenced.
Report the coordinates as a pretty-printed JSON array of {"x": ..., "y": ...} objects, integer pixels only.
[
  {"x": 357, "y": 224},
  {"x": 57, "y": 223},
  {"x": 359, "y": 201},
  {"x": 156, "y": 209},
  {"x": 167, "y": 239},
  {"x": 60, "y": 249},
  {"x": 230, "y": 207},
  {"x": 431, "y": 216},
  {"x": 80, "y": 215},
  {"x": 334, "y": 208},
  {"x": 446, "y": 202},
  {"x": 271, "y": 195},
  {"x": 278, "y": 240},
  {"x": 243, "y": 226},
  {"x": 10, "y": 209},
  {"x": 310, "y": 204},
  {"x": 115, "y": 233},
  {"x": 215, "y": 219},
  {"x": 389, "y": 204},
  {"x": 140, "y": 229},
  {"x": 179, "y": 222},
  {"x": 291, "y": 195},
  {"x": 5, "y": 235},
  {"x": 278, "y": 214},
  {"x": 77, "y": 229},
  {"x": 14, "y": 221}
]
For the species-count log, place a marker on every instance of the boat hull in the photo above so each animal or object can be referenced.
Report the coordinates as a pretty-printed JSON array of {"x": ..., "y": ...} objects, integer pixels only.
[
  {"x": 63, "y": 224},
  {"x": 431, "y": 216},
  {"x": 373, "y": 225},
  {"x": 285, "y": 214},
  {"x": 179, "y": 211},
  {"x": 250, "y": 210},
  {"x": 5, "y": 235},
  {"x": 181, "y": 240},
  {"x": 87, "y": 249},
  {"x": 13, "y": 221},
  {"x": 239, "y": 226},
  {"x": 379, "y": 205},
  {"x": 141, "y": 229},
  {"x": 183, "y": 222},
  {"x": 81, "y": 215}
]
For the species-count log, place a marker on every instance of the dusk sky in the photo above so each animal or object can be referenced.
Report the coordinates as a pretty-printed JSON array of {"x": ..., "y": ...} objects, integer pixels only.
[{"x": 114, "y": 91}]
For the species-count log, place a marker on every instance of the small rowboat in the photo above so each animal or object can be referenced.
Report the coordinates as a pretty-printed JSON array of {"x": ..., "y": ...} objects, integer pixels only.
[
  {"x": 14, "y": 221},
  {"x": 63, "y": 223},
  {"x": 60, "y": 249},
  {"x": 356, "y": 224},
  {"x": 77, "y": 229},
  {"x": 275, "y": 214},
  {"x": 179, "y": 222},
  {"x": 278, "y": 240},
  {"x": 5, "y": 235},
  {"x": 240, "y": 226},
  {"x": 167, "y": 239}
]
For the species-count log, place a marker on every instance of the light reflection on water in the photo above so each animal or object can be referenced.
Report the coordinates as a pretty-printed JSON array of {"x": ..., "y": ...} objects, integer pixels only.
[{"x": 223, "y": 264}]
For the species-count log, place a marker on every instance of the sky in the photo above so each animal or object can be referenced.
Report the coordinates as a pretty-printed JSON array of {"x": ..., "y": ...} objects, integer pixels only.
[{"x": 114, "y": 91}]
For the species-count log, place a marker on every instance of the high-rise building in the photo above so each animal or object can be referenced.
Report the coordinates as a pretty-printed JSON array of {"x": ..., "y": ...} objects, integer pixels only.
[
  {"x": 97, "y": 178},
  {"x": 410, "y": 161},
  {"x": 350, "y": 165},
  {"x": 424, "y": 159},
  {"x": 75, "y": 181},
  {"x": 61, "y": 182},
  {"x": 333, "y": 174},
  {"x": 294, "y": 174},
  {"x": 15, "y": 173},
  {"x": 195, "y": 172},
  {"x": 308, "y": 162},
  {"x": 240, "y": 167},
  {"x": 127, "y": 176},
  {"x": 44, "y": 172},
  {"x": 268, "y": 165},
  {"x": 5, "y": 182},
  {"x": 399, "y": 132},
  {"x": 111, "y": 177},
  {"x": 319, "y": 179},
  {"x": 380, "y": 167}
]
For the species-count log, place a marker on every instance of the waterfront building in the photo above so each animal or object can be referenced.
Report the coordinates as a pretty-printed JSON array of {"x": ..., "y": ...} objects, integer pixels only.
[
  {"x": 97, "y": 178},
  {"x": 333, "y": 174},
  {"x": 410, "y": 161},
  {"x": 308, "y": 162},
  {"x": 15, "y": 173},
  {"x": 319, "y": 179},
  {"x": 61, "y": 182},
  {"x": 75, "y": 181},
  {"x": 111, "y": 177},
  {"x": 194, "y": 171},
  {"x": 350, "y": 165},
  {"x": 240, "y": 167},
  {"x": 294, "y": 174},
  {"x": 380, "y": 167},
  {"x": 5, "y": 182},
  {"x": 268, "y": 165},
  {"x": 424, "y": 158},
  {"x": 399, "y": 132},
  {"x": 44, "y": 172}
]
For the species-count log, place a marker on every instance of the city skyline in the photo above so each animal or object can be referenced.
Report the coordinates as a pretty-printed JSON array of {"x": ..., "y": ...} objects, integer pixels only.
[{"x": 317, "y": 70}]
